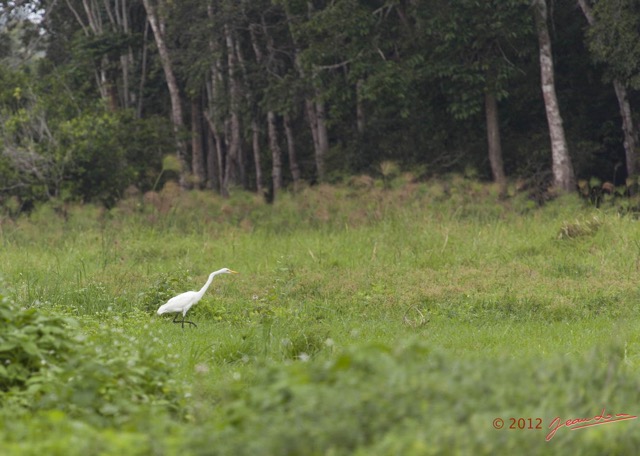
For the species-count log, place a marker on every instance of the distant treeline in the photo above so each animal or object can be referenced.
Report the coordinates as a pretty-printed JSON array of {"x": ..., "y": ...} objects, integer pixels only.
[{"x": 100, "y": 96}]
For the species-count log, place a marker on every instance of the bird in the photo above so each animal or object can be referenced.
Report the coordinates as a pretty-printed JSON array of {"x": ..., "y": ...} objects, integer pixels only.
[{"x": 184, "y": 301}]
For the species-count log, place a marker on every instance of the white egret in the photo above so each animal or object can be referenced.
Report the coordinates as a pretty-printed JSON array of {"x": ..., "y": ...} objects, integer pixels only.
[{"x": 183, "y": 302}]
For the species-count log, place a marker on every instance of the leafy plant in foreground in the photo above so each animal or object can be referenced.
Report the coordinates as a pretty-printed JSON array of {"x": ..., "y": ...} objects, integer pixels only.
[
  {"x": 412, "y": 400},
  {"x": 31, "y": 346},
  {"x": 111, "y": 380},
  {"x": 102, "y": 377}
]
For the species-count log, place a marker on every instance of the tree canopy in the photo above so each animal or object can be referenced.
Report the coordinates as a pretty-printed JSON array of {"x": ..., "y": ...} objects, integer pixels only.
[{"x": 98, "y": 97}]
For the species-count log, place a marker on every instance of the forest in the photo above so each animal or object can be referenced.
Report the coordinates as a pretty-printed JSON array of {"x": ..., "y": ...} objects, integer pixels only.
[{"x": 101, "y": 99}]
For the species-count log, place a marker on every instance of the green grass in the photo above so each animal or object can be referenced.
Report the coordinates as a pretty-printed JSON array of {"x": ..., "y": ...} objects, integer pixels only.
[{"x": 372, "y": 320}]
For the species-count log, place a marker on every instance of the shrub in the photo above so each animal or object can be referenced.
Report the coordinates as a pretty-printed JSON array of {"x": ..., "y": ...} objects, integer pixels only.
[
  {"x": 412, "y": 400},
  {"x": 112, "y": 380},
  {"x": 32, "y": 346},
  {"x": 103, "y": 377}
]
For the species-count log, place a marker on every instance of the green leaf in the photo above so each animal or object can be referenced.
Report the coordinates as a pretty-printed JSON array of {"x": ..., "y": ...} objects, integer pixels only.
[
  {"x": 30, "y": 347},
  {"x": 7, "y": 346}
]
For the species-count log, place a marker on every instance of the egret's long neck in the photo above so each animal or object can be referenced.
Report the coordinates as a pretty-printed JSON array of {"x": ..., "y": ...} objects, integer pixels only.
[{"x": 206, "y": 285}]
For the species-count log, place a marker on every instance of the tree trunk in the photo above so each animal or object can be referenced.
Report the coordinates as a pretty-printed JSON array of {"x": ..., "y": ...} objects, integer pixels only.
[
  {"x": 291, "y": 149},
  {"x": 323, "y": 138},
  {"x": 277, "y": 160},
  {"x": 92, "y": 25},
  {"x": 211, "y": 151},
  {"x": 216, "y": 156},
  {"x": 143, "y": 72},
  {"x": 121, "y": 17},
  {"x": 231, "y": 176},
  {"x": 214, "y": 113},
  {"x": 494, "y": 142},
  {"x": 197, "y": 156},
  {"x": 360, "y": 116},
  {"x": 109, "y": 86},
  {"x": 316, "y": 118},
  {"x": 255, "y": 129},
  {"x": 563, "y": 177},
  {"x": 172, "y": 84},
  {"x": 312, "y": 118},
  {"x": 276, "y": 154},
  {"x": 315, "y": 109},
  {"x": 630, "y": 132},
  {"x": 255, "y": 132}
]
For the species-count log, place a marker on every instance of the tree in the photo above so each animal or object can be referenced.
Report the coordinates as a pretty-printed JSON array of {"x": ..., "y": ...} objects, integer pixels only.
[
  {"x": 563, "y": 176},
  {"x": 614, "y": 39},
  {"x": 52, "y": 148},
  {"x": 29, "y": 167},
  {"x": 109, "y": 38},
  {"x": 156, "y": 20},
  {"x": 197, "y": 153},
  {"x": 233, "y": 164},
  {"x": 315, "y": 108},
  {"x": 273, "y": 65},
  {"x": 473, "y": 51}
]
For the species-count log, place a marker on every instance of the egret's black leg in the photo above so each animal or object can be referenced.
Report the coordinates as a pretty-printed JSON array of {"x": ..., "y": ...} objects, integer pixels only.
[{"x": 183, "y": 321}]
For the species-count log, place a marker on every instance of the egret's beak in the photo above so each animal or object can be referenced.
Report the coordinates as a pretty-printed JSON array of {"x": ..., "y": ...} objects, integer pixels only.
[{"x": 233, "y": 272}]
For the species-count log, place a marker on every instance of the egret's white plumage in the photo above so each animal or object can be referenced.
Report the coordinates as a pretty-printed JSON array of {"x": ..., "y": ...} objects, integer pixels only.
[{"x": 184, "y": 301}]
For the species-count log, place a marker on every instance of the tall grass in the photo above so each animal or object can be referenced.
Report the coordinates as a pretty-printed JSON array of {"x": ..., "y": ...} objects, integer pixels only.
[
  {"x": 445, "y": 269},
  {"x": 333, "y": 255}
]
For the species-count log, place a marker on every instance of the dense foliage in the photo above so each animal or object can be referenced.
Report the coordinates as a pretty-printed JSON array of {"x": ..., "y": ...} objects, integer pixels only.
[
  {"x": 263, "y": 94},
  {"x": 413, "y": 400},
  {"x": 45, "y": 363}
]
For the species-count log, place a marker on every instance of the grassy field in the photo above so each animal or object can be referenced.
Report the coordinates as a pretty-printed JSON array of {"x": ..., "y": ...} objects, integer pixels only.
[{"x": 365, "y": 320}]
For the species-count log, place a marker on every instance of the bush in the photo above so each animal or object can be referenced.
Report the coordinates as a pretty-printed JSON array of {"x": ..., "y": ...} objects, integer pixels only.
[
  {"x": 104, "y": 377},
  {"x": 53, "y": 148},
  {"x": 32, "y": 346},
  {"x": 411, "y": 400},
  {"x": 109, "y": 152}
]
